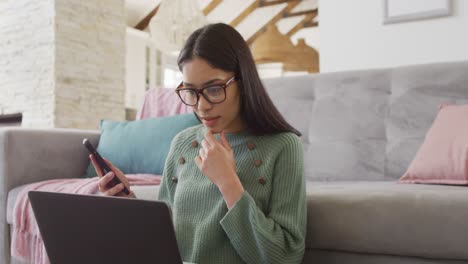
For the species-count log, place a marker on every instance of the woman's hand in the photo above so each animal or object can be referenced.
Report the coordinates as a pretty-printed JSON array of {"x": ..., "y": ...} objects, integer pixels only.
[
  {"x": 104, "y": 180},
  {"x": 216, "y": 161}
]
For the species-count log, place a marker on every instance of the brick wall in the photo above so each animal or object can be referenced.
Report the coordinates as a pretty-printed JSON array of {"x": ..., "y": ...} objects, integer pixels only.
[
  {"x": 62, "y": 61},
  {"x": 27, "y": 61}
]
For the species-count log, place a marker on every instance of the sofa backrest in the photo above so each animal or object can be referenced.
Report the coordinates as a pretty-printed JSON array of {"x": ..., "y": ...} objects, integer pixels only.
[{"x": 366, "y": 125}]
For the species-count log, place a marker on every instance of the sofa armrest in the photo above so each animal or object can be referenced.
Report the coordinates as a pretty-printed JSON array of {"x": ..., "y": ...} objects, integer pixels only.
[{"x": 32, "y": 155}]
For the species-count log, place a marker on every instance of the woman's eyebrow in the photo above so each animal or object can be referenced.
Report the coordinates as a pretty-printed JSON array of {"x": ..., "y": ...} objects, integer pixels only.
[{"x": 205, "y": 84}]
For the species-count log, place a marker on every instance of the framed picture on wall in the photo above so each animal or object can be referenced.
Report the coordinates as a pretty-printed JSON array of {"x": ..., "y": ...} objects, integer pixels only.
[{"x": 397, "y": 11}]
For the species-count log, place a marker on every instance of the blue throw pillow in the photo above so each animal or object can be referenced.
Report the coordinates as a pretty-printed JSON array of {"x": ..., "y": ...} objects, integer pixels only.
[{"x": 140, "y": 146}]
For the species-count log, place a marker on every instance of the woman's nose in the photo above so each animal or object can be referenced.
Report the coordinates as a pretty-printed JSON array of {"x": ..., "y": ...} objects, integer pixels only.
[{"x": 203, "y": 104}]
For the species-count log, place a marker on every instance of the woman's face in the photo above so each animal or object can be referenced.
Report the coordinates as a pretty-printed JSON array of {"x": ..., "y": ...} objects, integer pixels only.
[{"x": 198, "y": 73}]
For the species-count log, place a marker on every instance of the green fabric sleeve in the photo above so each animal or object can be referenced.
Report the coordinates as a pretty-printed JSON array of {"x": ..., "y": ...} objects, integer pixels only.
[
  {"x": 165, "y": 194},
  {"x": 277, "y": 236}
]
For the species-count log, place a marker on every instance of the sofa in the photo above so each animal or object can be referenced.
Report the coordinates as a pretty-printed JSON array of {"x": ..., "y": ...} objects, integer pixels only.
[{"x": 361, "y": 130}]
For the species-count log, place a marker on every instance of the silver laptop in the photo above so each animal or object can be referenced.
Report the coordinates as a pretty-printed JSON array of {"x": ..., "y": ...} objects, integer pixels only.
[{"x": 96, "y": 229}]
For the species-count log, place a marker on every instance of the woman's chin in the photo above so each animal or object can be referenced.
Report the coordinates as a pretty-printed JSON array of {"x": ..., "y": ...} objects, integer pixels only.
[{"x": 214, "y": 130}]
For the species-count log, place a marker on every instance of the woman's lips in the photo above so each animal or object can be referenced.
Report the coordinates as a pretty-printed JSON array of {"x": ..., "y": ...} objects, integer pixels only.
[{"x": 210, "y": 121}]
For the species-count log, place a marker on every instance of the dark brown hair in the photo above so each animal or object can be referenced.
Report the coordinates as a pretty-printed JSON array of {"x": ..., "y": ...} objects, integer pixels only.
[{"x": 224, "y": 48}]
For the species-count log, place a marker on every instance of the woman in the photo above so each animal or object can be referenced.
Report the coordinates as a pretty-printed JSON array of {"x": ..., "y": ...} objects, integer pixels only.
[{"x": 235, "y": 183}]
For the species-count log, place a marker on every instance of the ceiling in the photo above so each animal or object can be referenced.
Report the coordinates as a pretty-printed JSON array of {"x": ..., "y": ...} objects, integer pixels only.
[{"x": 292, "y": 17}]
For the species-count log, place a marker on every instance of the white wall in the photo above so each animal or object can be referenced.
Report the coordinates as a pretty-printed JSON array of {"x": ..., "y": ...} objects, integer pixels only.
[
  {"x": 147, "y": 68},
  {"x": 352, "y": 36},
  {"x": 136, "y": 63},
  {"x": 62, "y": 62}
]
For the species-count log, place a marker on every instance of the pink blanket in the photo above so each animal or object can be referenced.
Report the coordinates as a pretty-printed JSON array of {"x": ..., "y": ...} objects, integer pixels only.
[
  {"x": 161, "y": 102},
  {"x": 26, "y": 242}
]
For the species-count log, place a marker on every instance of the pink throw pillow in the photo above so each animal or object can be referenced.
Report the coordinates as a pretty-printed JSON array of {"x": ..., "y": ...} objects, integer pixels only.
[{"x": 443, "y": 156}]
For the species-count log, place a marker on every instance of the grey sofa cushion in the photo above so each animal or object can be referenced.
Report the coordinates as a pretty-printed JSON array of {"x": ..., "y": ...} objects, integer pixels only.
[
  {"x": 315, "y": 256},
  {"x": 366, "y": 125},
  {"x": 388, "y": 218},
  {"x": 347, "y": 127},
  {"x": 416, "y": 94},
  {"x": 342, "y": 119},
  {"x": 294, "y": 100}
]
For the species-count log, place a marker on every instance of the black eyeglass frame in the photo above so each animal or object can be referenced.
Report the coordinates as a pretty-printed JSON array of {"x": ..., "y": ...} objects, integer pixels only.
[{"x": 200, "y": 91}]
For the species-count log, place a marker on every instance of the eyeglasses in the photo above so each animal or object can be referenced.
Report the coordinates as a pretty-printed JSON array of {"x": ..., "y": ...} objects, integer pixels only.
[{"x": 214, "y": 94}]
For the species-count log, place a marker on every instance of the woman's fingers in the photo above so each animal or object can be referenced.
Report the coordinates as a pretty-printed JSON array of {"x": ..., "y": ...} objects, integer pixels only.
[
  {"x": 97, "y": 168},
  {"x": 104, "y": 181},
  {"x": 198, "y": 161},
  {"x": 202, "y": 153},
  {"x": 205, "y": 144},
  {"x": 119, "y": 173},
  {"x": 209, "y": 137},
  {"x": 114, "y": 190}
]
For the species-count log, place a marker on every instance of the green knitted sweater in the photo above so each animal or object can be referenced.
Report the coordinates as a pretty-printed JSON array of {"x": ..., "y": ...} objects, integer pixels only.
[{"x": 266, "y": 225}]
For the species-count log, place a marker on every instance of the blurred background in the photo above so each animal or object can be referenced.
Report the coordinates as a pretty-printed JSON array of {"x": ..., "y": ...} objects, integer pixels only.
[{"x": 71, "y": 63}]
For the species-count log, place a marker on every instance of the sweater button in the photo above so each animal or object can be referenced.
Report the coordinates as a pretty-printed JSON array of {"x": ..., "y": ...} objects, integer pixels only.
[
  {"x": 258, "y": 163},
  {"x": 175, "y": 180},
  {"x": 262, "y": 180},
  {"x": 250, "y": 146},
  {"x": 194, "y": 144},
  {"x": 181, "y": 160}
]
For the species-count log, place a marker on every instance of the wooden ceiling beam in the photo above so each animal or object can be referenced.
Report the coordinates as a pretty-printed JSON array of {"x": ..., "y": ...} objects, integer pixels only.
[
  {"x": 273, "y": 21},
  {"x": 145, "y": 21},
  {"x": 212, "y": 5},
  {"x": 310, "y": 24},
  {"x": 249, "y": 10},
  {"x": 307, "y": 21},
  {"x": 276, "y": 2},
  {"x": 256, "y": 4},
  {"x": 301, "y": 13}
]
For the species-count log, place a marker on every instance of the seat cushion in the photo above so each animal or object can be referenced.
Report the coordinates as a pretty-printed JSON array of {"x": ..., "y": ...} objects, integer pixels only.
[
  {"x": 314, "y": 256},
  {"x": 427, "y": 221},
  {"x": 388, "y": 218},
  {"x": 11, "y": 200},
  {"x": 145, "y": 192}
]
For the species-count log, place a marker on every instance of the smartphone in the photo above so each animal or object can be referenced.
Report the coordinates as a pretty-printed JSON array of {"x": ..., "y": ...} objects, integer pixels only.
[{"x": 103, "y": 165}]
